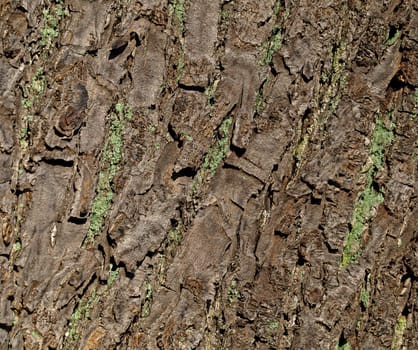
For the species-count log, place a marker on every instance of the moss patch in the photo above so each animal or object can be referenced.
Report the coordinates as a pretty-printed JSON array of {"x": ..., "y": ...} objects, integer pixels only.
[
  {"x": 370, "y": 197},
  {"x": 52, "y": 17},
  {"x": 81, "y": 313},
  {"x": 111, "y": 158},
  {"x": 398, "y": 333},
  {"x": 215, "y": 155}
]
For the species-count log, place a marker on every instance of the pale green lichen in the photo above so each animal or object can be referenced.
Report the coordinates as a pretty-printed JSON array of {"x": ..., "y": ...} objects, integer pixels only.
[
  {"x": 215, "y": 156},
  {"x": 392, "y": 36},
  {"x": 345, "y": 346},
  {"x": 177, "y": 11},
  {"x": 398, "y": 333},
  {"x": 17, "y": 246},
  {"x": 113, "y": 275},
  {"x": 111, "y": 158},
  {"x": 147, "y": 304},
  {"x": 52, "y": 17},
  {"x": 370, "y": 197},
  {"x": 233, "y": 292},
  {"x": 81, "y": 313},
  {"x": 270, "y": 46}
]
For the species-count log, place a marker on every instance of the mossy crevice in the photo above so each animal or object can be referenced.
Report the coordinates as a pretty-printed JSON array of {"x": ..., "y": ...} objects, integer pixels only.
[
  {"x": 110, "y": 161},
  {"x": 52, "y": 17},
  {"x": 399, "y": 333},
  {"x": 80, "y": 314},
  {"x": 274, "y": 42},
  {"x": 370, "y": 197},
  {"x": 214, "y": 156}
]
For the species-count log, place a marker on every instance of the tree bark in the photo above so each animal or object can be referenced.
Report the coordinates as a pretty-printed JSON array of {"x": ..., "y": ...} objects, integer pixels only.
[{"x": 193, "y": 174}]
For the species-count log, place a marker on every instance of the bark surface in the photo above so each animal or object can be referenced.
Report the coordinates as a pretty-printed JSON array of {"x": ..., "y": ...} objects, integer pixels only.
[{"x": 193, "y": 174}]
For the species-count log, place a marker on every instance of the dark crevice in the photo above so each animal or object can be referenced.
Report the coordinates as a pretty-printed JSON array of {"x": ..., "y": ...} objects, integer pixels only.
[
  {"x": 409, "y": 274},
  {"x": 129, "y": 76},
  {"x": 128, "y": 274},
  {"x": 58, "y": 162},
  {"x": 230, "y": 166},
  {"x": 85, "y": 285},
  {"x": 113, "y": 263},
  {"x": 342, "y": 341},
  {"x": 238, "y": 150},
  {"x": 21, "y": 8},
  {"x": 301, "y": 259},
  {"x": 110, "y": 241},
  {"x": 174, "y": 135},
  {"x": 185, "y": 172},
  {"x": 6, "y": 327},
  {"x": 77, "y": 220},
  {"x": 134, "y": 36},
  {"x": 273, "y": 70},
  {"x": 316, "y": 201},
  {"x": 334, "y": 183},
  {"x": 117, "y": 50},
  {"x": 393, "y": 30},
  {"x": 102, "y": 251},
  {"x": 406, "y": 311},
  {"x": 397, "y": 83},
  {"x": 281, "y": 233},
  {"x": 192, "y": 88},
  {"x": 92, "y": 52},
  {"x": 20, "y": 191},
  {"x": 330, "y": 249}
]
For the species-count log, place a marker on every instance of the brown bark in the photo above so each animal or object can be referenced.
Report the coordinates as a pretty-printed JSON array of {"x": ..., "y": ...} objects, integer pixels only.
[{"x": 193, "y": 174}]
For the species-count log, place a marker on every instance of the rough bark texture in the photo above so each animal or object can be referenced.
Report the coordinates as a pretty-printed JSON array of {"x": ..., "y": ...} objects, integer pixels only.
[{"x": 194, "y": 174}]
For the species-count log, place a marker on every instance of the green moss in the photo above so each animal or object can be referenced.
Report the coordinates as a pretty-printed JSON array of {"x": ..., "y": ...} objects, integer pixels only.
[
  {"x": 270, "y": 46},
  {"x": 214, "y": 157},
  {"x": 345, "y": 346},
  {"x": 225, "y": 15},
  {"x": 382, "y": 137},
  {"x": 260, "y": 103},
  {"x": 398, "y": 333},
  {"x": 274, "y": 42},
  {"x": 113, "y": 274},
  {"x": 147, "y": 304},
  {"x": 336, "y": 80},
  {"x": 392, "y": 36},
  {"x": 273, "y": 325},
  {"x": 369, "y": 198},
  {"x": 35, "y": 334},
  {"x": 52, "y": 17},
  {"x": 177, "y": 10},
  {"x": 17, "y": 246},
  {"x": 111, "y": 158},
  {"x": 415, "y": 110},
  {"x": 218, "y": 152},
  {"x": 364, "y": 297},
  {"x": 365, "y": 292},
  {"x": 31, "y": 96},
  {"x": 82, "y": 312},
  {"x": 233, "y": 292},
  {"x": 210, "y": 92},
  {"x": 173, "y": 240},
  {"x": 175, "y": 235}
]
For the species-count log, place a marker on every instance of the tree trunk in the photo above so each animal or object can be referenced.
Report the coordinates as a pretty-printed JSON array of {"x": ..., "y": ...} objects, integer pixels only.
[{"x": 194, "y": 174}]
